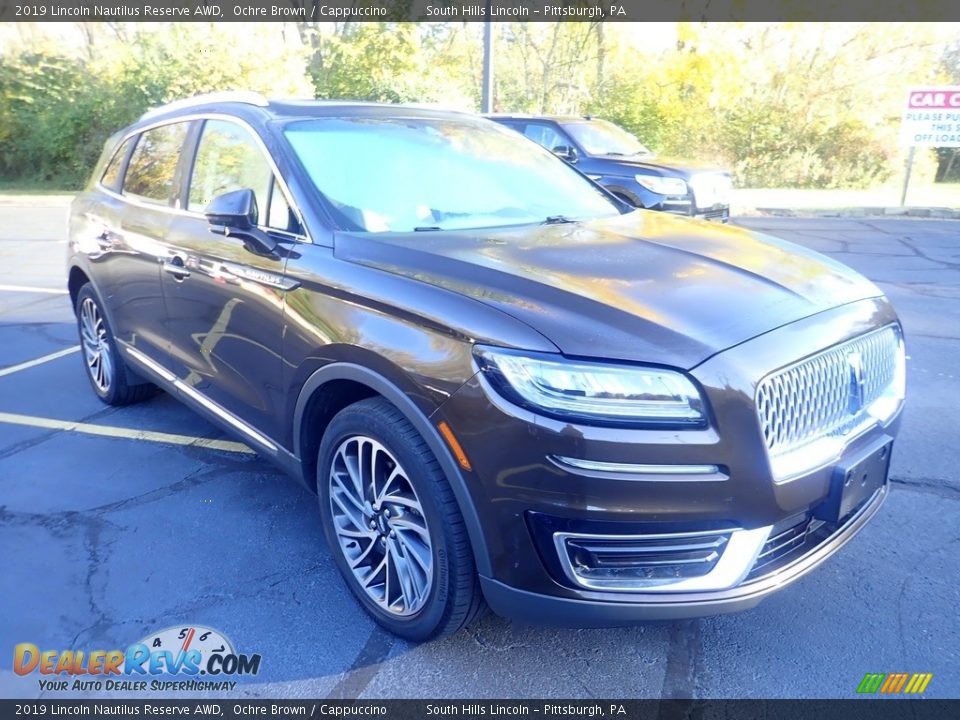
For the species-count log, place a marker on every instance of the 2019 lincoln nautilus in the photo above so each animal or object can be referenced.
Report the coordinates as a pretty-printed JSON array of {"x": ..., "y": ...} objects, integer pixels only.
[{"x": 505, "y": 385}]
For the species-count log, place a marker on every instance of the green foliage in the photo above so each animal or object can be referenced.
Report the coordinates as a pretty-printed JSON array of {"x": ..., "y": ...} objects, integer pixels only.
[
  {"x": 48, "y": 103},
  {"x": 58, "y": 109},
  {"x": 377, "y": 62},
  {"x": 775, "y": 146},
  {"x": 629, "y": 104},
  {"x": 812, "y": 105}
]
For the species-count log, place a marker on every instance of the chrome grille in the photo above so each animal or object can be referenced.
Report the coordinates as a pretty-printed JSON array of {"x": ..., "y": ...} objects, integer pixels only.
[{"x": 819, "y": 396}]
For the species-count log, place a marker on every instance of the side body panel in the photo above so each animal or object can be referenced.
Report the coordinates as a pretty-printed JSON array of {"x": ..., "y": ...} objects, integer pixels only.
[{"x": 118, "y": 245}]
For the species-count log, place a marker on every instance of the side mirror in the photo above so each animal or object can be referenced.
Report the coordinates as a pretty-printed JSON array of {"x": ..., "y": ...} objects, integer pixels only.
[
  {"x": 566, "y": 152},
  {"x": 234, "y": 214}
]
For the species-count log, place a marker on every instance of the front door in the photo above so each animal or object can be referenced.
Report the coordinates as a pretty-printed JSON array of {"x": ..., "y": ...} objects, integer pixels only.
[{"x": 225, "y": 302}]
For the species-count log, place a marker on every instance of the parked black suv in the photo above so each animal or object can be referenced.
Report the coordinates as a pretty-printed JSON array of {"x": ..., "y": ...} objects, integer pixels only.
[
  {"x": 501, "y": 381},
  {"x": 611, "y": 156}
]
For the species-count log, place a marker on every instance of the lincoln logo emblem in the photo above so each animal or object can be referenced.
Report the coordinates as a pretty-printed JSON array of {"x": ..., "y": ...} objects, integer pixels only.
[{"x": 855, "y": 394}]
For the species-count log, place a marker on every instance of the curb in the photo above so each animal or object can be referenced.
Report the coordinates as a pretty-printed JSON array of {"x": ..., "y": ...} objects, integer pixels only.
[
  {"x": 47, "y": 200},
  {"x": 941, "y": 213}
]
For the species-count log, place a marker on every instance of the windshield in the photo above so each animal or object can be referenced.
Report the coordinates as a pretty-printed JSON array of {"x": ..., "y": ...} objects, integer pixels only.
[
  {"x": 599, "y": 137},
  {"x": 425, "y": 173}
]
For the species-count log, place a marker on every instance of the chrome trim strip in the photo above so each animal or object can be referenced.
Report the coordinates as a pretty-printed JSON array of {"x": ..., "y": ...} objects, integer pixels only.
[
  {"x": 199, "y": 397},
  {"x": 735, "y": 562},
  {"x": 284, "y": 188},
  {"x": 225, "y": 415},
  {"x": 757, "y": 588},
  {"x": 232, "y": 270},
  {"x": 640, "y": 472},
  {"x": 147, "y": 362},
  {"x": 805, "y": 563}
]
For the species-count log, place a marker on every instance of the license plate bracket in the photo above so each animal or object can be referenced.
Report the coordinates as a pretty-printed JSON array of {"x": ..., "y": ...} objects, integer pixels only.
[{"x": 856, "y": 480}]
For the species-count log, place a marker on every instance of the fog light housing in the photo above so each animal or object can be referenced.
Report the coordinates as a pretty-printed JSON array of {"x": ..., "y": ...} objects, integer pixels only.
[{"x": 668, "y": 562}]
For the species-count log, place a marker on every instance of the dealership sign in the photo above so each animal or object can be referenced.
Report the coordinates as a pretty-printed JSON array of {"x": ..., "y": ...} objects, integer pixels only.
[{"x": 932, "y": 117}]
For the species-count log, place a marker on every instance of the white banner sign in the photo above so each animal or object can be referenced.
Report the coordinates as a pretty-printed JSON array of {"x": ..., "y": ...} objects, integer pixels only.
[{"x": 931, "y": 117}]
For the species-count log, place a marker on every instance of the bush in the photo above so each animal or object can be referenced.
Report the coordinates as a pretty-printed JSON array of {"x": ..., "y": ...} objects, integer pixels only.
[
  {"x": 50, "y": 112},
  {"x": 57, "y": 110},
  {"x": 776, "y": 146}
]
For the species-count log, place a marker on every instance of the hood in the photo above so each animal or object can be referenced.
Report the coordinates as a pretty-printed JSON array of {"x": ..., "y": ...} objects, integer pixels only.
[
  {"x": 657, "y": 165},
  {"x": 644, "y": 286}
]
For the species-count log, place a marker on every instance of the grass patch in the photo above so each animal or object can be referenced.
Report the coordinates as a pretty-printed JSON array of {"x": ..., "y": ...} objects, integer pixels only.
[{"x": 35, "y": 187}]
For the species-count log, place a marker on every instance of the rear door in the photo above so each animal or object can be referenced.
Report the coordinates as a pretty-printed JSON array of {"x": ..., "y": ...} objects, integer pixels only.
[
  {"x": 138, "y": 194},
  {"x": 224, "y": 302}
]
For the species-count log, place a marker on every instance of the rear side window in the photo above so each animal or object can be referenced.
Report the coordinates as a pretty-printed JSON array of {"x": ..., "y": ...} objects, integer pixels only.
[
  {"x": 111, "y": 176},
  {"x": 153, "y": 165},
  {"x": 228, "y": 158}
]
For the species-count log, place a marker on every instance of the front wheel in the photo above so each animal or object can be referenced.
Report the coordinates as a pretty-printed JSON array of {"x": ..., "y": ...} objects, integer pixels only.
[{"x": 393, "y": 524}]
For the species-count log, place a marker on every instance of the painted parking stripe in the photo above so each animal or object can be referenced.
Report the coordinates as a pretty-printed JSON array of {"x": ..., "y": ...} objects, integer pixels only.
[
  {"x": 39, "y": 361},
  {"x": 122, "y": 432},
  {"x": 33, "y": 289}
]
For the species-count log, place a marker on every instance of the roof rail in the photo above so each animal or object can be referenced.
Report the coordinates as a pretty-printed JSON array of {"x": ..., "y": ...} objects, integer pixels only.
[{"x": 237, "y": 96}]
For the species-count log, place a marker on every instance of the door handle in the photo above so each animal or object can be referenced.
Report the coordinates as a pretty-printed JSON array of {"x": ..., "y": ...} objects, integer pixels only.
[
  {"x": 175, "y": 267},
  {"x": 107, "y": 239}
]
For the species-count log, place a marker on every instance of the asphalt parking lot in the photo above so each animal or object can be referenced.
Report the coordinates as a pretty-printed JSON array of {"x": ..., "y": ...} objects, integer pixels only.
[{"x": 159, "y": 520}]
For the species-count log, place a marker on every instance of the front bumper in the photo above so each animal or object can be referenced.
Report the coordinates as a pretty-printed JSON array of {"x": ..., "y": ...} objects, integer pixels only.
[
  {"x": 524, "y": 499},
  {"x": 625, "y": 609},
  {"x": 686, "y": 208}
]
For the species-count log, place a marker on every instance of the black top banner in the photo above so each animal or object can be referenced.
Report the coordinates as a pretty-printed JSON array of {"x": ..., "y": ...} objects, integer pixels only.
[{"x": 311, "y": 11}]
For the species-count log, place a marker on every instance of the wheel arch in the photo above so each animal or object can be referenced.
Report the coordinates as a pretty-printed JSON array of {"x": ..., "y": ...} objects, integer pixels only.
[
  {"x": 338, "y": 384},
  {"x": 626, "y": 195},
  {"x": 76, "y": 279}
]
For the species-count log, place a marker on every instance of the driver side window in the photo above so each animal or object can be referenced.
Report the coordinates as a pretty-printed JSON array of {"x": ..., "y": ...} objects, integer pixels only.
[{"x": 228, "y": 158}]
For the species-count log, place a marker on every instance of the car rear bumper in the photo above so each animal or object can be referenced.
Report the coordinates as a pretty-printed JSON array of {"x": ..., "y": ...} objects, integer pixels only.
[{"x": 613, "y": 609}]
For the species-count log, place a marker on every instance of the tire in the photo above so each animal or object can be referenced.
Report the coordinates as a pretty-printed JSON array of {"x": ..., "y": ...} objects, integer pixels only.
[
  {"x": 112, "y": 381},
  {"x": 403, "y": 549}
]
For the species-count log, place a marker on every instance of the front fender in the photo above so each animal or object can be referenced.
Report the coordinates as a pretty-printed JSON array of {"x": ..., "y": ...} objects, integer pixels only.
[{"x": 386, "y": 388}]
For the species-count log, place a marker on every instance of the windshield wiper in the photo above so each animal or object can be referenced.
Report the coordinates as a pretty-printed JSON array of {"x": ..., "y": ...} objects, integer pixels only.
[
  {"x": 426, "y": 228},
  {"x": 557, "y": 220}
]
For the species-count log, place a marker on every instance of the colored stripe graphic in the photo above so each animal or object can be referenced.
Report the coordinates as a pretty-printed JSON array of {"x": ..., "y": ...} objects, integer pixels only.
[
  {"x": 918, "y": 683},
  {"x": 894, "y": 683},
  {"x": 870, "y": 682}
]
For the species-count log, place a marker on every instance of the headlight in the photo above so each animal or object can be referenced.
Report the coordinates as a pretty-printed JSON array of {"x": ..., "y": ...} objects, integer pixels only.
[
  {"x": 593, "y": 393},
  {"x": 662, "y": 185}
]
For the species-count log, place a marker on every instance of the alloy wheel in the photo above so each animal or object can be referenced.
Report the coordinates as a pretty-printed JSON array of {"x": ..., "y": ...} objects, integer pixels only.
[
  {"x": 380, "y": 526},
  {"x": 96, "y": 347}
]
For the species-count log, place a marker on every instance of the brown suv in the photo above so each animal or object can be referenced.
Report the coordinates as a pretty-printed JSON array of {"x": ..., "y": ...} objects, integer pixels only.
[{"x": 502, "y": 382}]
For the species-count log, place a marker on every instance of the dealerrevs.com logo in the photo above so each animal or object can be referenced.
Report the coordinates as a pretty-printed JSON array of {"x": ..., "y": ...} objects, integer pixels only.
[{"x": 188, "y": 651}]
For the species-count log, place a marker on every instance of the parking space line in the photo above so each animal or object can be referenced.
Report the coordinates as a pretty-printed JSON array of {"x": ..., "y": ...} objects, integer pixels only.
[
  {"x": 39, "y": 361},
  {"x": 33, "y": 289},
  {"x": 122, "y": 432}
]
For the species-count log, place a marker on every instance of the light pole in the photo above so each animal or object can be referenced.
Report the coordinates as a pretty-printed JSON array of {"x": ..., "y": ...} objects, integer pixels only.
[{"x": 486, "y": 102}]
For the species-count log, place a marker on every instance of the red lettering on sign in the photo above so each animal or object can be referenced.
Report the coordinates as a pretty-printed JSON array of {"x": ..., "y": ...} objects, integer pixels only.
[{"x": 934, "y": 99}]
